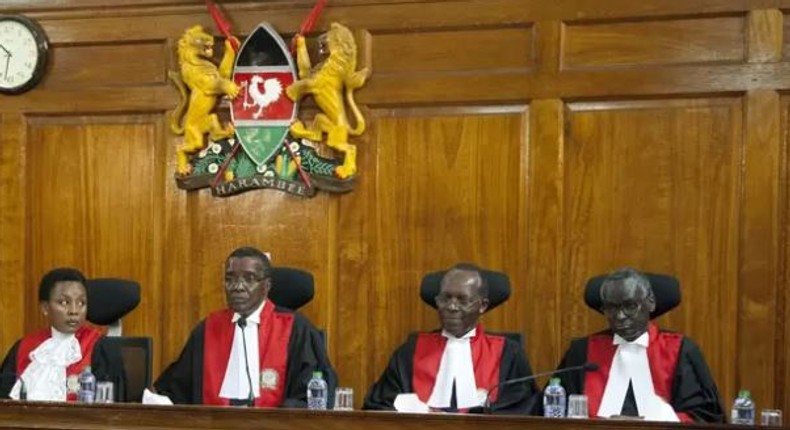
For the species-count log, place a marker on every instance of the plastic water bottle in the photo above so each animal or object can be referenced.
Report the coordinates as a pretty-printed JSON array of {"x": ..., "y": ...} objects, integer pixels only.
[
  {"x": 554, "y": 400},
  {"x": 743, "y": 409},
  {"x": 87, "y": 393},
  {"x": 316, "y": 392}
]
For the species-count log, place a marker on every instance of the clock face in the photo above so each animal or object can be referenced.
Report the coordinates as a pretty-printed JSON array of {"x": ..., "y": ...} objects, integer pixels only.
[{"x": 22, "y": 54}]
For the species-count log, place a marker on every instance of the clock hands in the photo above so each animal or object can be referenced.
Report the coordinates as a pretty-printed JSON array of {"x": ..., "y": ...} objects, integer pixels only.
[{"x": 7, "y": 59}]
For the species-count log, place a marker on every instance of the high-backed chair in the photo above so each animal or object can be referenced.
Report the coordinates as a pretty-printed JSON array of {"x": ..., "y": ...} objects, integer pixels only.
[
  {"x": 498, "y": 293},
  {"x": 292, "y": 288},
  {"x": 109, "y": 300},
  {"x": 666, "y": 289}
]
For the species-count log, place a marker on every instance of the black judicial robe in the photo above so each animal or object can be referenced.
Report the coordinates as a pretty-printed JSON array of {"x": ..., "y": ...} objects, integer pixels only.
[
  {"x": 679, "y": 372},
  {"x": 505, "y": 360},
  {"x": 105, "y": 358},
  {"x": 303, "y": 352}
]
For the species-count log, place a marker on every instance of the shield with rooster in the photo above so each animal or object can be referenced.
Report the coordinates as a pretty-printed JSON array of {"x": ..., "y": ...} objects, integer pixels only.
[{"x": 262, "y": 112}]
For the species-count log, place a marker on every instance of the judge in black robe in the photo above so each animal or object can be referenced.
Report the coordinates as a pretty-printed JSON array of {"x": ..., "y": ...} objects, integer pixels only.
[
  {"x": 63, "y": 300},
  {"x": 290, "y": 349},
  {"x": 416, "y": 365},
  {"x": 512, "y": 363},
  {"x": 182, "y": 381},
  {"x": 678, "y": 371},
  {"x": 106, "y": 365}
]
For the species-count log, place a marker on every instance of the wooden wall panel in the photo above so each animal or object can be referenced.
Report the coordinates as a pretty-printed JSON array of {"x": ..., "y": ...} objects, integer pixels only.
[
  {"x": 405, "y": 52},
  {"x": 98, "y": 65},
  {"x": 93, "y": 203},
  {"x": 656, "y": 185},
  {"x": 674, "y": 41},
  {"x": 551, "y": 140},
  {"x": 462, "y": 171}
]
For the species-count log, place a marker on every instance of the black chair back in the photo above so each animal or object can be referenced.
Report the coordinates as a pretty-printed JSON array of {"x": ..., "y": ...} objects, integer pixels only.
[
  {"x": 137, "y": 353},
  {"x": 292, "y": 288},
  {"x": 109, "y": 299}
]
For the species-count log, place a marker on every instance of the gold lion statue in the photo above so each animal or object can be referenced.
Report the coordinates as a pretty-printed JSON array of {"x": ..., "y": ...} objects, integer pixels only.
[
  {"x": 205, "y": 83},
  {"x": 327, "y": 84}
]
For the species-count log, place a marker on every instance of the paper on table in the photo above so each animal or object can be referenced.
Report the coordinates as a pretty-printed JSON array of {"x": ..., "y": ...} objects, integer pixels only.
[
  {"x": 410, "y": 403},
  {"x": 150, "y": 398},
  {"x": 660, "y": 410}
]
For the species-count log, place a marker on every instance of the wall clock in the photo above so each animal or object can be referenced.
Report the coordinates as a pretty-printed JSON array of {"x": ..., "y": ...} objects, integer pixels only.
[{"x": 23, "y": 54}]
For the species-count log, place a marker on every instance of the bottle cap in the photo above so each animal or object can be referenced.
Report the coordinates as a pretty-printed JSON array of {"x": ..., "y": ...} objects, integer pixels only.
[
  {"x": 745, "y": 394},
  {"x": 317, "y": 374},
  {"x": 554, "y": 381}
]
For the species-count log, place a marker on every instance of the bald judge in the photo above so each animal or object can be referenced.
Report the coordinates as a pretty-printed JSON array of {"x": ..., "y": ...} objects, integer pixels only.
[
  {"x": 253, "y": 353},
  {"x": 643, "y": 370},
  {"x": 452, "y": 370}
]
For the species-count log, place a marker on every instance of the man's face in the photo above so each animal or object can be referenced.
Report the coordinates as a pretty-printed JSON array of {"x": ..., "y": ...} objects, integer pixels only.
[
  {"x": 245, "y": 285},
  {"x": 459, "y": 302},
  {"x": 67, "y": 306},
  {"x": 627, "y": 308}
]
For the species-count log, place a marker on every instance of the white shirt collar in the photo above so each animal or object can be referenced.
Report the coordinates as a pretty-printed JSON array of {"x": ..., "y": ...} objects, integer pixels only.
[
  {"x": 470, "y": 334},
  {"x": 631, "y": 366},
  {"x": 642, "y": 340},
  {"x": 45, "y": 376},
  {"x": 254, "y": 317},
  {"x": 456, "y": 366},
  {"x": 236, "y": 383}
]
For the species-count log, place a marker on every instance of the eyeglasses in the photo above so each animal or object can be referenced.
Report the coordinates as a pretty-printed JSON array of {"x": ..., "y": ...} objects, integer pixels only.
[
  {"x": 247, "y": 280},
  {"x": 628, "y": 308},
  {"x": 443, "y": 301}
]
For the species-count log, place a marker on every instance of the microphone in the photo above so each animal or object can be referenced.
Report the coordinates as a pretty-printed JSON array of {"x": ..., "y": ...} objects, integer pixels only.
[
  {"x": 586, "y": 367},
  {"x": 242, "y": 322}
]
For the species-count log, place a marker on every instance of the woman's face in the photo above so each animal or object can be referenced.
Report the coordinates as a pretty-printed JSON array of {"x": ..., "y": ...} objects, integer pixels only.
[{"x": 67, "y": 306}]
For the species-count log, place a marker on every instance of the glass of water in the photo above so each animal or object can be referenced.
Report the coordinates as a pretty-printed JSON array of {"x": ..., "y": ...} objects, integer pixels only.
[
  {"x": 577, "y": 406},
  {"x": 344, "y": 399},
  {"x": 771, "y": 417},
  {"x": 105, "y": 392}
]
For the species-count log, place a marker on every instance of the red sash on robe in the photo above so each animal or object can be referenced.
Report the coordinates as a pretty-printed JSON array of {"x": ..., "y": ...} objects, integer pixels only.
[
  {"x": 486, "y": 358},
  {"x": 663, "y": 351},
  {"x": 87, "y": 338},
  {"x": 274, "y": 334}
]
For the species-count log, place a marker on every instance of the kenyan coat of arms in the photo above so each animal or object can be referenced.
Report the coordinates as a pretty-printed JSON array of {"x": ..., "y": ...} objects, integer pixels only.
[{"x": 239, "y": 116}]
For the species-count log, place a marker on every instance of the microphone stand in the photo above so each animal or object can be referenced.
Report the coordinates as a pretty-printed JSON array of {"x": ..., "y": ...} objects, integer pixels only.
[
  {"x": 242, "y": 322},
  {"x": 587, "y": 367}
]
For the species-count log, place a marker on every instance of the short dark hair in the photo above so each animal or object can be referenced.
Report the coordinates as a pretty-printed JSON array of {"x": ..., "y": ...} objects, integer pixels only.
[
  {"x": 250, "y": 251},
  {"x": 469, "y": 267},
  {"x": 60, "y": 274},
  {"x": 628, "y": 275}
]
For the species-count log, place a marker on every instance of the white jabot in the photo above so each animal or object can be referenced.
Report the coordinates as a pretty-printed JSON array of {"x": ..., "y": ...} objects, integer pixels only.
[
  {"x": 630, "y": 364},
  {"x": 456, "y": 365},
  {"x": 236, "y": 385},
  {"x": 45, "y": 376}
]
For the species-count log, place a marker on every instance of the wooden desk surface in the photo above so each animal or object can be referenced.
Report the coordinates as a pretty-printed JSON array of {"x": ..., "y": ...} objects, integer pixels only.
[{"x": 33, "y": 415}]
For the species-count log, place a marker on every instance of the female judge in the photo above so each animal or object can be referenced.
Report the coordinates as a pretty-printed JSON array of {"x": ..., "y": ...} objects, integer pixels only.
[{"x": 50, "y": 361}]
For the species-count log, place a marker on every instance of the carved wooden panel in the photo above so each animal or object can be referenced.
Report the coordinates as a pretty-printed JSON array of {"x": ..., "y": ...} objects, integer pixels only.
[
  {"x": 405, "y": 52},
  {"x": 672, "y": 41},
  {"x": 656, "y": 185}
]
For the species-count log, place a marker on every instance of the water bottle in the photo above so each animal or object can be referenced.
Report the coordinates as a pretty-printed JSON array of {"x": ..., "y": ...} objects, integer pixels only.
[
  {"x": 743, "y": 409},
  {"x": 87, "y": 393},
  {"x": 316, "y": 392},
  {"x": 554, "y": 400}
]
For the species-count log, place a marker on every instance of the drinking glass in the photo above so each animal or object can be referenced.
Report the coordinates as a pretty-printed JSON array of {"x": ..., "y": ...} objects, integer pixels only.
[
  {"x": 771, "y": 417},
  {"x": 105, "y": 392},
  {"x": 344, "y": 399},
  {"x": 577, "y": 406}
]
